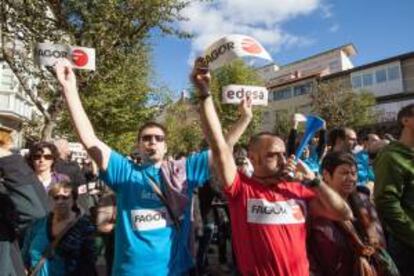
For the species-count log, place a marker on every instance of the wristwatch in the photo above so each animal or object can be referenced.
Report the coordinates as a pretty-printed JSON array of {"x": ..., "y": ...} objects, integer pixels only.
[{"x": 316, "y": 182}]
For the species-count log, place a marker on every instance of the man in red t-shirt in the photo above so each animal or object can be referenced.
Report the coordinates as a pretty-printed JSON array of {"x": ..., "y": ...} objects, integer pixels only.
[{"x": 268, "y": 213}]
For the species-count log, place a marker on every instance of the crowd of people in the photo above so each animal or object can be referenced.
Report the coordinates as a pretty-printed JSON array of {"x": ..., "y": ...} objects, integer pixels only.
[{"x": 343, "y": 207}]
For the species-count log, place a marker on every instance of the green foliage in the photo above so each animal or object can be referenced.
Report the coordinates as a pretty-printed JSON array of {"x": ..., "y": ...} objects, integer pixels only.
[
  {"x": 183, "y": 127},
  {"x": 339, "y": 105},
  {"x": 235, "y": 73},
  {"x": 115, "y": 96}
]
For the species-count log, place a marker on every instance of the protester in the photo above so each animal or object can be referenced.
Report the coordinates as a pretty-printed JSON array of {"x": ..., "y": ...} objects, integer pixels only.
[
  {"x": 394, "y": 192},
  {"x": 42, "y": 157},
  {"x": 22, "y": 200},
  {"x": 65, "y": 166},
  {"x": 153, "y": 227},
  {"x": 313, "y": 152},
  {"x": 61, "y": 243},
  {"x": 345, "y": 139},
  {"x": 268, "y": 213},
  {"x": 216, "y": 217},
  {"x": 343, "y": 248}
]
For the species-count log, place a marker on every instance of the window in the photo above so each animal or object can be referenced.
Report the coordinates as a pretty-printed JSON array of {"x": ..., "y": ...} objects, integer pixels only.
[
  {"x": 356, "y": 82},
  {"x": 282, "y": 94},
  {"x": 302, "y": 89},
  {"x": 381, "y": 76},
  {"x": 367, "y": 79},
  {"x": 393, "y": 73}
]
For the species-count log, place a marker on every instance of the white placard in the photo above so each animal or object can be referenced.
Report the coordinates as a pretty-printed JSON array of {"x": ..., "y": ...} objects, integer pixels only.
[
  {"x": 234, "y": 94},
  {"x": 150, "y": 219},
  {"x": 261, "y": 211},
  {"x": 233, "y": 46},
  {"x": 80, "y": 57}
]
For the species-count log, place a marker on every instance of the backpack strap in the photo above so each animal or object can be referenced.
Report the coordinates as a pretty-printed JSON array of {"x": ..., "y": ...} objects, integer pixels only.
[
  {"x": 163, "y": 199},
  {"x": 50, "y": 250}
]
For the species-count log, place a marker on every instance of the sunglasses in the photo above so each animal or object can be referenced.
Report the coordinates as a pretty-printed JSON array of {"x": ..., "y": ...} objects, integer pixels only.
[
  {"x": 45, "y": 156},
  {"x": 148, "y": 138},
  {"x": 62, "y": 197}
]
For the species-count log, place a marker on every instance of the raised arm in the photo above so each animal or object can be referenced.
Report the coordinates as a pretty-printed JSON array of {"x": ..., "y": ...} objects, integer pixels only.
[
  {"x": 237, "y": 130},
  {"x": 222, "y": 154},
  {"x": 96, "y": 148}
]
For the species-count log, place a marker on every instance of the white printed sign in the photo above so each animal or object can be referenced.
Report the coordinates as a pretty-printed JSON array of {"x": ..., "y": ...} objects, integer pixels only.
[
  {"x": 80, "y": 57},
  {"x": 234, "y": 46},
  {"x": 234, "y": 94},
  {"x": 261, "y": 211},
  {"x": 150, "y": 219}
]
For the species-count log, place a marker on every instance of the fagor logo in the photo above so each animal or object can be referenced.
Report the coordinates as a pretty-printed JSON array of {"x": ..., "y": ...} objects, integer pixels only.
[
  {"x": 79, "y": 57},
  {"x": 251, "y": 46}
]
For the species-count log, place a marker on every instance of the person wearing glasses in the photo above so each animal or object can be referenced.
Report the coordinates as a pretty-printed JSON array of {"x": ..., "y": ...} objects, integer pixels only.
[
  {"x": 69, "y": 230},
  {"x": 42, "y": 157},
  {"x": 154, "y": 215}
]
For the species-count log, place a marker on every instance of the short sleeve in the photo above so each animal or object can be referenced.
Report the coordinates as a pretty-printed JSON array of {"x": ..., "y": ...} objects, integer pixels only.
[
  {"x": 198, "y": 168},
  {"x": 234, "y": 189},
  {"x": 305, "y": 192},
  {"x": 118, "y": 171}
]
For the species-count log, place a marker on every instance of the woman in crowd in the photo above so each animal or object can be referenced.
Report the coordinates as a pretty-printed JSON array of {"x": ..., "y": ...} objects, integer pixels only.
[
  {"x": 42, "y": 157},
  {"x": 349, "y": 247},
  {"x": 61, "y": 243}
]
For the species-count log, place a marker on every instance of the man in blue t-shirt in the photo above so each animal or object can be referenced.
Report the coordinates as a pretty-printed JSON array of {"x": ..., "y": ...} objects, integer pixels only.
[{"x": 152, "y": 236}]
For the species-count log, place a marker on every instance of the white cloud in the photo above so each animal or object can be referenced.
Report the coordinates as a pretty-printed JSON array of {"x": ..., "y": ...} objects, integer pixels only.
[{"x": 262, "y": 19}]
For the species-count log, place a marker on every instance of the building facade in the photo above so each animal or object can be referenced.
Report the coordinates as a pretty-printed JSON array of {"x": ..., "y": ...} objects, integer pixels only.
[
  {"x": 391, "y": 81},
  {"x": 15, "y": 106}
]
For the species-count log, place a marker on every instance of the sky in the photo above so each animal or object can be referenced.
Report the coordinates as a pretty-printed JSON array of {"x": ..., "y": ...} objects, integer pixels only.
[{"x": 290, "y": 30}]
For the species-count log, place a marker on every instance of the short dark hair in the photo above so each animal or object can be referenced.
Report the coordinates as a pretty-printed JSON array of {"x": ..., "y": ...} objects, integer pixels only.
[
  {"x": 38, "y": 148},
  {"x": 406, "y": 111},
  {"x": 151, "y": 124},
  {"x": 335, "y": 134},
  {"x": 256, "y": 138},
  {"x": 334, "y": 159}
]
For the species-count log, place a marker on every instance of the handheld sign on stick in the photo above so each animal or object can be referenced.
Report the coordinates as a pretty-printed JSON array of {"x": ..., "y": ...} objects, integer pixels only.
[
  {"x": 234, "y": 94},
  {"x": 231, "y": 47},
  {"x": 81, "y": 57},
  {"x": 313, "y": 124}
]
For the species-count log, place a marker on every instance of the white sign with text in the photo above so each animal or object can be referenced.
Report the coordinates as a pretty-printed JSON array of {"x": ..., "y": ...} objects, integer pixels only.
[
  {"x": 233, "y": 46},
  {"x": 81, "y": 57},
  {"x": 234, "y": 94}
]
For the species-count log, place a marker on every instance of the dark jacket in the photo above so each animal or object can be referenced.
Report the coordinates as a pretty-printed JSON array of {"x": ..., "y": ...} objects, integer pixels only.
[{"x": 22, "y": 200}]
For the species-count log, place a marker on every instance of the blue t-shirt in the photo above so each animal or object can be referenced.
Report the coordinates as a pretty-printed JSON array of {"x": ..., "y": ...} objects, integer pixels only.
[
  {"x": 146, "y": 240},
  {"x": 35, "y": 243}
]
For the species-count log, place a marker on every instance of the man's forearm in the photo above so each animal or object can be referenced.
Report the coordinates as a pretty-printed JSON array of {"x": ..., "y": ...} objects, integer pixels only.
[
  {"x": 237, "y": 130},
  {"x": 78, "y": 115},
  {"x": 331, "y": 204}
]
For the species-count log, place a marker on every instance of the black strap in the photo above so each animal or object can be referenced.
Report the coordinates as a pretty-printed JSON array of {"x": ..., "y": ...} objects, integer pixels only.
[
  {"x": 49, "y": 252},
  {"x": 163, "y": 199}
]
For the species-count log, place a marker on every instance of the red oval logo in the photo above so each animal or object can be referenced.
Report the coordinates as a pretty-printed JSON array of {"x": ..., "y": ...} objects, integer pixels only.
[
  {"x": 251, "y": 46},
  {"x": 79, "y": 57}
]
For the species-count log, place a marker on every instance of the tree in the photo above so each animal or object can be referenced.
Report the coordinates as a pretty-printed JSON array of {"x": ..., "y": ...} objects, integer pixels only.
[
  {"x": 182, "y": 123},
  {"x": 339, "y": 105},
  {"x": 116, "y": 93},
  {"x": 240, "y": 73}
]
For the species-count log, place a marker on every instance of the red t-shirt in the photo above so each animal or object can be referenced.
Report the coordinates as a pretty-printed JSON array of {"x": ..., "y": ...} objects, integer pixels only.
[{"x": 268, "y": 226}]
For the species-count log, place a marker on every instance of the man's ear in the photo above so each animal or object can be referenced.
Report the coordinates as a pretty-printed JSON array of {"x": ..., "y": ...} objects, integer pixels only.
[{"x": 326, "y": 176}]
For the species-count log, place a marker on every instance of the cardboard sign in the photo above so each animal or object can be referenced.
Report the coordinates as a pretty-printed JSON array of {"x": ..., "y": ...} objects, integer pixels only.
[
  {"x": 231, "y": 47},
  {"x": 234, "y": 94},
  {"x": 81, "y": 58}
]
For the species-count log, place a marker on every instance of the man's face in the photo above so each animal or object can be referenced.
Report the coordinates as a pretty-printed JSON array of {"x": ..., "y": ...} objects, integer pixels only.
[
  {"x": 268, "y": 156},
  {"x": 152, "y": 145},
  {"x": 350, "y": 140}
]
